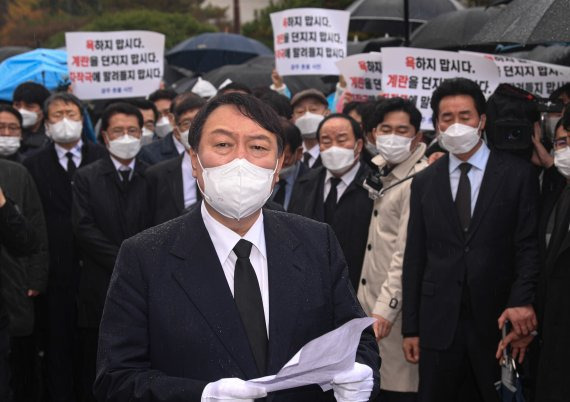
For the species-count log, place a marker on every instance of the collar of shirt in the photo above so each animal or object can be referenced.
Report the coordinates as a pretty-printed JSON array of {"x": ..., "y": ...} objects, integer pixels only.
[
  {"x": 119, "y": 166},
  {"x": 314, "y": 151},
  {"x": 478, "y": 159},
  {"x": 75, "y": 151},
  {"x": 290, "y": 178},
  {"x": 345, "y": 181},
  {"x": 225, "y": 239},
  {"x": 188, "y": 182},
  {"x": 179, "y": 146}
]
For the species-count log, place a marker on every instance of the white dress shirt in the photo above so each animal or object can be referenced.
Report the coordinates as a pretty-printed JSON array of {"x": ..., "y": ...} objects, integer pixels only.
[
  {"x": 75, "y": 151},
  {"x": 188, "y": 182},
  {"x": 225, "y": 239},
  {"x": 345, "y": 181},
  {"x": 314, "y": 152},
  {"x": 179, "y": 146},
  {"x": 120, "y": 167},
  {"x": 478, "y": 163}
]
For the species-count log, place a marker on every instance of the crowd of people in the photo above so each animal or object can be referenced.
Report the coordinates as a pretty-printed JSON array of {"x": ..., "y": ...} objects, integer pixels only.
[{"x": 171, "y": 250}]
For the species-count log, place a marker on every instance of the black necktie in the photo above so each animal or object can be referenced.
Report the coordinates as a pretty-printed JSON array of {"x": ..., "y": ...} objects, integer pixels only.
[
  {"x": 248, "y": 300},
  {"x": 561, "y": 221},
  {"x": 280, "y": 194},
  {"x": 71, "y": 167},
  {"x": 463, "y": 197},
  {"x": 330, "y": 202},
  {"x": 306, "y": 158},
  {"x": 125, "y": 175}
]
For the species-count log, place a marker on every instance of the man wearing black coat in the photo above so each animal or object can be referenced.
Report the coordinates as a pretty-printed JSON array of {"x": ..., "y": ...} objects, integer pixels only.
[
  {"x": 344, "y": 205},
  {"x": 471, "y": 258},
  {"x": 109, "y": 206}
]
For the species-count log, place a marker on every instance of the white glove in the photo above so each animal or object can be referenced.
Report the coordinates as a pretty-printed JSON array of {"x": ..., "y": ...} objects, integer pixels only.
[
  {"x": 354, "y": 385},
  {"x": 232, "y": 389}
]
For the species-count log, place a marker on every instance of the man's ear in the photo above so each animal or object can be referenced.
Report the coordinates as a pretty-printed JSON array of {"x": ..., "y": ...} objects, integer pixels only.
[
  {"x": 172, "y": 120},
  {"x": 298, "y": 154},
  {"x": 359, "y": 145},
  {"x": 194, "y": 162},
  {"x": 483, "y": 121},
  {"x": 105, "y": 139},
  {"x": 327, "y": 112}
]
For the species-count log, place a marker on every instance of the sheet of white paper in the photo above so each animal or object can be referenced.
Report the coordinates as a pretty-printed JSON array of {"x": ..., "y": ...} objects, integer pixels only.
[{"x": 319, "y": 360}]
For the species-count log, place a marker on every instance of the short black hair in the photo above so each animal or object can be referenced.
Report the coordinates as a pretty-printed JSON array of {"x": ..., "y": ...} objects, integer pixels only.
[
  {"x": 397, "y": 105},
  {"x": 64, "y": 97},
  {"x": 235, "y": 86},
  {"x": 279, "y": 103},
  {"x": 159, "y": 94},
  {"x": 558, "y": 92},
  {"x": 145, "y": 104},
  {"x": 355, "y": 126},
  {"x": 189, "y": 103},
  {"x": 367, "y": 110},
  {"x": 457, "y": 86},
  {"x": 350, "y": 106},
  {"x": 183, "y": 97},
  {"x": 120, "y": 108},
  {"x": 31, "y": 92},
  {"x": 249, "y": 106},
  {"x": 292, "y": 134},
  {"x": 566, "y": 117},
  {"x": 12, "y": 110}
]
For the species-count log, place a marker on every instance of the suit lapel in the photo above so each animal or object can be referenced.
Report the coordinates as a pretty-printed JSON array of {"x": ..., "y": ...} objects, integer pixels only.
[
  {"x": 357, "y": 182},
  {"x": 176, "y": 184},
  {"x": 443, "y": 191},
  {"x": 203, "y": 280},
  {"x": 286, "y": 279}
]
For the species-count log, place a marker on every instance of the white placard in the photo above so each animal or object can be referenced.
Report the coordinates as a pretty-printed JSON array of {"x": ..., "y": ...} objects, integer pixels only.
[
  {"x": 532, "y": 76},
  {"x": 363, "y": 75},
  {"x": 415, "y": 73},
  {"x": 119, "y": 64},
  {"x": 309, "y": 40}
]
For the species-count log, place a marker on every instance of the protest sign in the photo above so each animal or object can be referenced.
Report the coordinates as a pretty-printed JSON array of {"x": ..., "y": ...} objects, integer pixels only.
[
  {"x": 120, "y": 64},
  {"x": 415, "y": 73},
  {"x": 309, "y": 40},
  {"x": 363, "y": 75},
  {"x": 532, "y": 76}
]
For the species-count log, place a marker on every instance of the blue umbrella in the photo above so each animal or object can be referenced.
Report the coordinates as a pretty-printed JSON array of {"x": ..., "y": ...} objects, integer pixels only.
[
  {"x": 44, "y": 66},
  {"x": 208, "y": 51}
]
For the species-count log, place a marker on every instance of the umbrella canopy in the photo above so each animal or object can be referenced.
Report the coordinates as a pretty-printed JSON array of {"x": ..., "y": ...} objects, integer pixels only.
[
  {"x": 528, "y": 22},
  {"x": 452, "y": 30},
  {"x": 208, "y": 51},
  {"x": 386, "y": 16},
  {"x": 44, "y": 66},
  {"x": 372, "y": 45},
  {"x": 257, "y": 72}
]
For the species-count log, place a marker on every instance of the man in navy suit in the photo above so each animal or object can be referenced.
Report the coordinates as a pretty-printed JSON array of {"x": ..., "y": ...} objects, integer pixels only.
[{"x": 228, "y": 292}]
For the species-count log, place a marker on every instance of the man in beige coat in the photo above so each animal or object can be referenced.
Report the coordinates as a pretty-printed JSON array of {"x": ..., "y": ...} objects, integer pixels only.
[{"x": 401, "y": 155}]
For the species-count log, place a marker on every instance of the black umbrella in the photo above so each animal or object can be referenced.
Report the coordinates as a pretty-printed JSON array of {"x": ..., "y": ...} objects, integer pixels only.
[
  {"x": 528, "y": 22},
  {"x": 208, "y": 51},
  {"x": 387, "y": 16},
  {"x": 452, "y": 30},
  {"x": 555, "y": 54},
  {"x": 372, "y": 45}
]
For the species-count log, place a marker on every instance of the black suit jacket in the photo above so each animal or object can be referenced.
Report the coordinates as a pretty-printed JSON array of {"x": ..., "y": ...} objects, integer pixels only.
[
  {"x": 54, "y": 188},
  {"x": 104, "y": 213},
  {"x": 171, "y": 326},
  {"x": 158, "y": 151},
  {"x": 352, "y": 216},
  {"x": 497, "y": 259}
]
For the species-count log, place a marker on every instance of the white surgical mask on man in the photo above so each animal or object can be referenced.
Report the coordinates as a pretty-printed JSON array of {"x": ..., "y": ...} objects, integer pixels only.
[
  {"x": 9, "y": 145},
  {"x": 125, "y": 147},
  {"x": 163, "y": 127},
  {"x": 371, "y": 148},
  {"x": 64, "y": 131},
  {"x": 308, "y": 124},
  {"x": 337, "y": 159},
  {"x": 29, "y": 118},
  {"x": 394, "y": 148},
  {"x": 238, "y": 188},
  {"x": 184, "y": 138},
  {"x": 146, "y": 137},
  {"x": 459, "y": 138},
  {"x": 562, "y": 161}
]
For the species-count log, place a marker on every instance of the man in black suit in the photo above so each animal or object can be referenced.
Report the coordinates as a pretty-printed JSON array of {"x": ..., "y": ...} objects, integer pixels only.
[
  {"x": 52, "y": 169},
  {"x": 227, "y": 292},
  {"x": 172, "y": 187},
  {"x": 29, "y": 98},
  {"x": 109, "y": 206},
  {"x": 471, "y": 256},
  {"x": 333, "y": 193}
]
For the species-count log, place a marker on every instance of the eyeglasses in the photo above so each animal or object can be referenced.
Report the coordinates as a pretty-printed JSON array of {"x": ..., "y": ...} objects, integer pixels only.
[
  {"x": 185, "y": 125},
  {"x": 561, "y": 143},
  {"x": 11, "y": 128},
  {"x": 119, "y": 131}
]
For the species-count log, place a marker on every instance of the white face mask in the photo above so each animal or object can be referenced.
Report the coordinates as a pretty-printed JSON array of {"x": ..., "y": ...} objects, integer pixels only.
[
  {"x": 125, "y": 147},
  {"x": 562, "y": 161},
  {"x": 238, "y": 188},
  {"x": 371, "y": 148},
  {"x": 64, "y": 131},
  {"x": 29, "y": 118},
  {"x": 163, "y": 127},
  {"x": 338, "y": 160},
  {"x": 308, "y": 124},
  {"x": 184, "y": 138},
  {"x": 9, "y": 145},
  {"x": 459, "y": 138},
  {"x": 146, "y": 137},
  {"x": 394, "y": 148}
]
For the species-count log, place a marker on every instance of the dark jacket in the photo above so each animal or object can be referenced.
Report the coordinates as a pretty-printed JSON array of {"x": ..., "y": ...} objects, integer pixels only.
[
  {"x": 352, "y": 215},
  {"x": 497, "y": 259},
  {"x": 104, "y": 213},
  {"x": 158, "y": 151},
  {"x": 19, "y": 274},
  {"x": 32, "y": 141},
  {"x": 171, "y": 326}
]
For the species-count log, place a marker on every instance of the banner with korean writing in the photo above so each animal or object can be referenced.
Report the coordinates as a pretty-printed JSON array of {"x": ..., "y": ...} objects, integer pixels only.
[
  {"x": 309, "y": 40},
  {"x": 415, "y": 73},
  {"x": 532, "y": 76},
  {"x": 363, "y": 75},
  {"x": 120, "y": 64}
]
